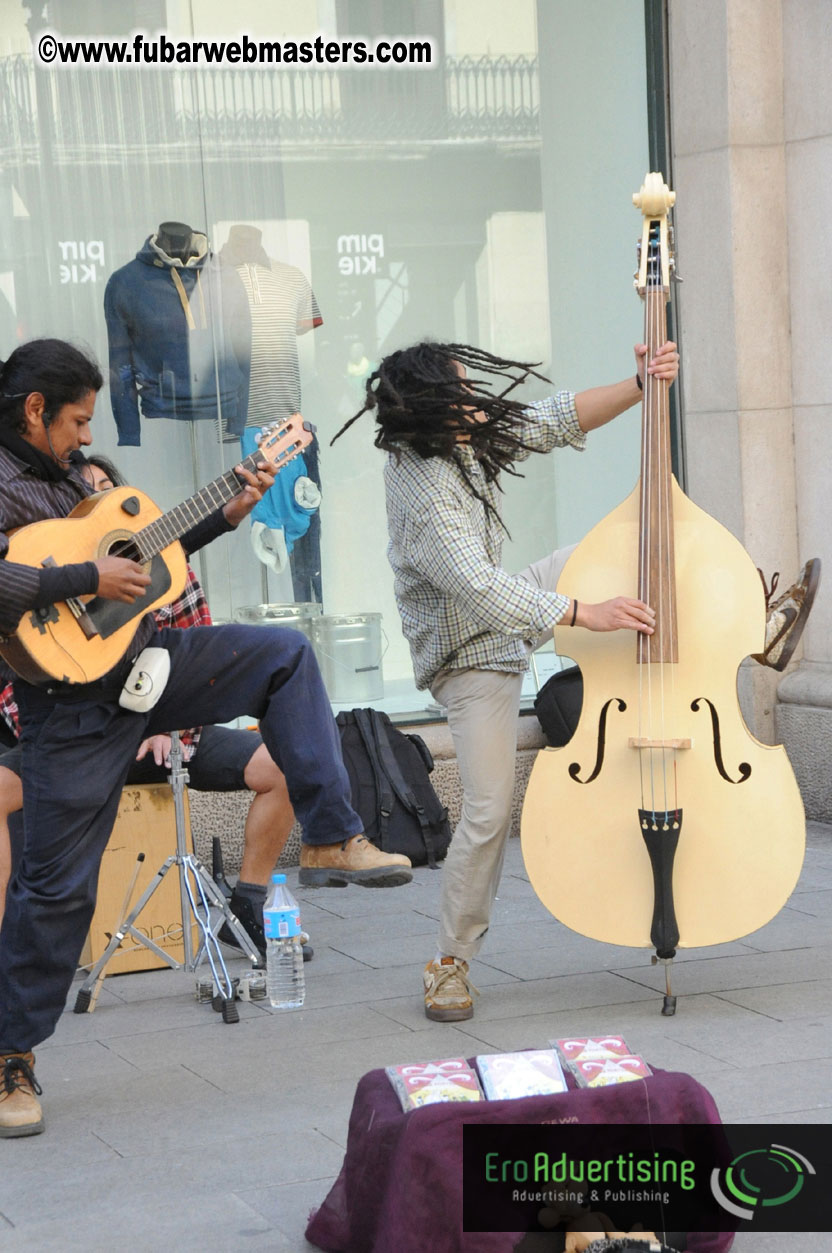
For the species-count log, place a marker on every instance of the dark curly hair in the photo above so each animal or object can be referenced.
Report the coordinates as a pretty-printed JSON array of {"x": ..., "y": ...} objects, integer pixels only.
[{"x": 420, "y": 399}]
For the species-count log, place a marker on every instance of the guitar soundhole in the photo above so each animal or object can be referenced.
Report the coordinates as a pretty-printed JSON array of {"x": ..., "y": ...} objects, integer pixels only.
[{"x": 124, "y": 548}]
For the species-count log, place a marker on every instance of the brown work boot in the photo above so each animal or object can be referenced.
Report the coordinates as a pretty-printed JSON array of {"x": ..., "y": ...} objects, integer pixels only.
[
  {"x": 787, "y": 616},
  {"x": 354, "y": 861},
  {"x": 448, "y": 990},
  {"x": 20, "y": 1111}
]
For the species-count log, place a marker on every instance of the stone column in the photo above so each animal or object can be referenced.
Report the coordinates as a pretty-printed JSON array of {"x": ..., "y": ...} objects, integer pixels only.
[
  {"x": 726, "y": 77},
  {"x": 751, "y": 104}
]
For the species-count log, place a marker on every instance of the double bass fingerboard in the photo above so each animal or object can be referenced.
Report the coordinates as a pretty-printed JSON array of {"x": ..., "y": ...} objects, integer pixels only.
[{"x": 656, "y": 560}]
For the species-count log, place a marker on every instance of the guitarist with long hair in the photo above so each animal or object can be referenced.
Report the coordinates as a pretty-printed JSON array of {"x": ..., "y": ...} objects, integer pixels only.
[{"x": 77, "y": 740}]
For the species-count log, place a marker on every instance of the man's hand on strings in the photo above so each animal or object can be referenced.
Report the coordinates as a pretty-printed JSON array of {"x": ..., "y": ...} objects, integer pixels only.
[
  {"x": 256, "y": 486},
  {"x": 121, "y": 579},
  {"x": 665, "y": 364},
  {"x": 622, "y": 613}
]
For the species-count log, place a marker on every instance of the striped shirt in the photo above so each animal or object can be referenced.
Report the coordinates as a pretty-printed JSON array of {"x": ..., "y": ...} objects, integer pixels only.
[
  {"x": 282, "y": 306},
  {"x": 459, "y": 608}
]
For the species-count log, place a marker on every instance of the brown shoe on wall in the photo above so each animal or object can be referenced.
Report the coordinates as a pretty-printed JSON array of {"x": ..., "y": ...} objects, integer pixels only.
[
  {"x": 787, "y": 616},
  {"x": 354, "y": 861}
]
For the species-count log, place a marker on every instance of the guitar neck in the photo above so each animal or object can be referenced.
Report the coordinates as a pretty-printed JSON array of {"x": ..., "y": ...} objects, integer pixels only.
[{"x": 179, "y": 520}]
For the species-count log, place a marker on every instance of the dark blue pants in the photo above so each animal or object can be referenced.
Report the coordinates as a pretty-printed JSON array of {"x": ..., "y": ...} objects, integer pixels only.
[{"x": 77, "y": 748}]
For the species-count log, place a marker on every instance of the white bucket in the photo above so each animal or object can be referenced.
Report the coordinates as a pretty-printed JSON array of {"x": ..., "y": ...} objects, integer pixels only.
[
  {"x": 298, "y": 617},
  {"x": 348, "y": 648}
]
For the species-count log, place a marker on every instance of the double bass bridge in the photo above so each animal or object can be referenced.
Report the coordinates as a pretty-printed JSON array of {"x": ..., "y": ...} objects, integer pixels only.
[{"x": 641, "y": 741}]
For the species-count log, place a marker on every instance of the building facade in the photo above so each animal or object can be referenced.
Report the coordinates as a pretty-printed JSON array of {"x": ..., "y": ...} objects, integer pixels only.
[{"x": 335, "y": 214}]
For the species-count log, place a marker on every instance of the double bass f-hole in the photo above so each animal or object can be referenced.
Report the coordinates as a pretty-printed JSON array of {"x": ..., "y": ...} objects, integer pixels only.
[
  {"x": 600, "y": 744},
  {"x": 743, "y": 767}
]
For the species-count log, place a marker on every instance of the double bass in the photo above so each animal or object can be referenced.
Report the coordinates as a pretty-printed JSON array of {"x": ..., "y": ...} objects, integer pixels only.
[{"x": 663, "y": 822}]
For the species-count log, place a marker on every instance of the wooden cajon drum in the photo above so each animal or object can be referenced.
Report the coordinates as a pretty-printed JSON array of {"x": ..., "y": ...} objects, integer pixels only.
[{"x": 145, "y": 824}]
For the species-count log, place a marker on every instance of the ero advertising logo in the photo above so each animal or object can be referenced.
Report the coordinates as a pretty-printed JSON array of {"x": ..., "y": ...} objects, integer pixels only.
[{"x": 760, "y": 1178}]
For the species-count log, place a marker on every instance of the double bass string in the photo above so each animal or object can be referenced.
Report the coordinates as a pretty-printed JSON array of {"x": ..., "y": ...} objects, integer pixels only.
[
  {"x": 662, "y": 507},
  {"x": 645, "y": 590},
  {"x": 671, "y": 571}
]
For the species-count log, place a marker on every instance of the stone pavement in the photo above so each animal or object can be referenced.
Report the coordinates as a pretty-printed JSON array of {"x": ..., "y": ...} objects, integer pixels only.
[{"x": 168, "y": 1128}]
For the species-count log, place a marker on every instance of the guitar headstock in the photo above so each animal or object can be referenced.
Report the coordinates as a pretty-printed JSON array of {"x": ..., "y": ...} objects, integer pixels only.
[
  {"x": 655, "y": 257},
  {"x": 281, "y": 441}
]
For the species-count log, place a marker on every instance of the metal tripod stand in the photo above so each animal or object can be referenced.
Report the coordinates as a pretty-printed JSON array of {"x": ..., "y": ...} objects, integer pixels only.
[{"x": 199, "y": 896}]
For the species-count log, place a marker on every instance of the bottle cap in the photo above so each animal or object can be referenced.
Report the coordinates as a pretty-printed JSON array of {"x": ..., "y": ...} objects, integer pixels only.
[{"x": 278, "y": 878}]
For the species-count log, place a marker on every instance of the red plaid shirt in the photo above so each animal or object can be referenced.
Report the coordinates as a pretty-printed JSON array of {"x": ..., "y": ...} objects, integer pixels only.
[{"x": 191, "y": 609}]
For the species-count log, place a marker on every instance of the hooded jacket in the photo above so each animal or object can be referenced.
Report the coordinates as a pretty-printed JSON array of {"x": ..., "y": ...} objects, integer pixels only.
[{"x": 179, "y": 339}]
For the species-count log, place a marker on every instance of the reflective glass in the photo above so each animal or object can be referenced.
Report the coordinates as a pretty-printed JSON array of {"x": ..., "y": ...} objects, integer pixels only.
[{"x": 240, "y": 242}]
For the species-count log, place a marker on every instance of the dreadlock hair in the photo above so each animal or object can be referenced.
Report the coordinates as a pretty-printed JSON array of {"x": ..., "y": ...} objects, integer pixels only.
[{"x": 420, "y": 399}]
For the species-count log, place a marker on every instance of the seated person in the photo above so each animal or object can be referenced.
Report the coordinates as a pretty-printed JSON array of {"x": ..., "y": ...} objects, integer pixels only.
[{"x": 219, "y": 759}]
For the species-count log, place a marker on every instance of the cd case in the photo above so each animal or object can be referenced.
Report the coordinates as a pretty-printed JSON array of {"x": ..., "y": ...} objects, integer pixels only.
[
  {"x": 602, "y": 1073},
  {"x": 536, "y": 1072},
  {"x": 426, "y": 1083},
  {"x": 591, "y": 1048},
  {"x": 597, "y": 1061}
]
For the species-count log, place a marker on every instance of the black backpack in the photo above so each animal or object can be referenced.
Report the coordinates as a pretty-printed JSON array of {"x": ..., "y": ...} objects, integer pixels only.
[
  {"x": 391, "y": 791},
  {"x": 558, "y": 706}
]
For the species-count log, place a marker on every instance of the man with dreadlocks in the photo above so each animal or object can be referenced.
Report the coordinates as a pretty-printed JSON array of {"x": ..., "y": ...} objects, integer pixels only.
[{"x": 471, "y": 626}]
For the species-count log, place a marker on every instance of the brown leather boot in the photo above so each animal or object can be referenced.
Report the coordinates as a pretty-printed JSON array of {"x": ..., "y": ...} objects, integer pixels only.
[
  {"x": 20, "y": 1111},
  {"x": 354, "y": 861}
]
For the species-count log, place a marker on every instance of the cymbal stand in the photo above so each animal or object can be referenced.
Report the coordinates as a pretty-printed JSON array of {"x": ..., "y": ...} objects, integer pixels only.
[{"x": 200, "y": 899}]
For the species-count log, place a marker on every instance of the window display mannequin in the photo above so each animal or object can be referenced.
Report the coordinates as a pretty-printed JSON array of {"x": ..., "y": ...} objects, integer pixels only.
[
  {"x": 179, "y": 335},
  {"x": 282, "y": 306}
]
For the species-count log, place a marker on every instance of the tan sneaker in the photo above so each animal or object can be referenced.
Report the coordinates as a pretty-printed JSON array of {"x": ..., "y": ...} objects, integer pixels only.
[
  {"x": 787, "y": 616},
  {"x": 448, "y": 990},
  {"x": 354, "y": 861},
  {"x": 20, "y": 1111}
]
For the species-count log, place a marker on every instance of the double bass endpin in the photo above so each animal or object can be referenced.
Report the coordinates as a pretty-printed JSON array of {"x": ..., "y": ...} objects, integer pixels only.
[{"x": 669, "y": 1001}]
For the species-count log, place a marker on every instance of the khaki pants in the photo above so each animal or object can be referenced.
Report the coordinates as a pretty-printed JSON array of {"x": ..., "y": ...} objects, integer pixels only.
[{"x": 482, "y": 717}]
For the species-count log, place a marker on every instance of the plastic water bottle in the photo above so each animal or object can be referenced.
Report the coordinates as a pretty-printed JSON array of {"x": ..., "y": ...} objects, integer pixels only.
[{"x": 285, "y": 981}]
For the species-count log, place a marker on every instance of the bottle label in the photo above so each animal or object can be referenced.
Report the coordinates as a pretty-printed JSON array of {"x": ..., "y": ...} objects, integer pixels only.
[{"x": 281, "y": 924}]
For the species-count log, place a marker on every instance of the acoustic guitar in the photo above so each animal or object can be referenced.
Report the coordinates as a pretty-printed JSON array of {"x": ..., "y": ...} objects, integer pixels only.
[{"x": 79, "y": 640}]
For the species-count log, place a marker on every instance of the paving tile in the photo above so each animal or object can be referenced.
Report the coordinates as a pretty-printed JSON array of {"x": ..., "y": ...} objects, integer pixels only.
[
  {"x": 815, "y": 902},
  {"x": 117, "y": 1018},
  {"x": 818, "y": 836},
  {"x": 758, "y": 1092},
  {"x": 519, "y": 999},
  {"x": 748, "y": 1036},
  {"x": 770, "y": 1242},
  {"x": 269, "y": 1034},
  {"x": 751, "y": 969},
  {"x": 355, "y": 902},
  {"x": 345, "y": 933},
  {"x": 188, "y": 1222},
  {"x": 791, "y": 929},
  {"x": 287, "y": 1208},
  {"x": 818, "y": 1114},
  {"x": 807, "y": 999}
]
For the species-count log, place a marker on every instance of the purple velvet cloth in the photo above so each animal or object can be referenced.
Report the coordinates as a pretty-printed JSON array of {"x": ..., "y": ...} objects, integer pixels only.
[{"x": 400, "y": 1187}]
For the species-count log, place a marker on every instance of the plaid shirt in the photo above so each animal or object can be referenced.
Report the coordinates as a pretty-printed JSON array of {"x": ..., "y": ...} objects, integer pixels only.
[
  {"x": 459, "y": 608},
  {"x": 191, "y": 609}
]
